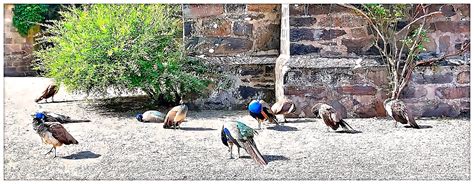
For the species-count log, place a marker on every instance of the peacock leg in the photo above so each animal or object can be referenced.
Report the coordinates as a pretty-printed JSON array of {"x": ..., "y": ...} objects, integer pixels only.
[
  {"x": 395, "y": 124},
  {"x": 259, "y": 124},
  {"x": 54, "y": 152},
  {"x": 51, "y": 150},
  {"x": 238, "y": 152},
  {"x": 230, "y": 148}
]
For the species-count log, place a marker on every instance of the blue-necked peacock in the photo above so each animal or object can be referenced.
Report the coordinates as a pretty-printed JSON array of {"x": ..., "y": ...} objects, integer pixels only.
[
  {"x": 52, "y": 133},
  {"x": 242, "y": 136},
  {"x": 261, "y": 111}
]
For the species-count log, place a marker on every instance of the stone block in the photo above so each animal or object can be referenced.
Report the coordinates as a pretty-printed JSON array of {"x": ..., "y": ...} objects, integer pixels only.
[
  {"x": 377, "y": 76},
  {"x": 342, "y": 20},
  {"x": 440, "y": 109},
  {"x": 357, "y": 46},
  {"x": 188, "y": 28},
  {"x": 242, "y": 29},
  {"x": 235, "y": 8},
  {"x": 451, "y": 26},
  {"x": 246, "y": 91},
  {"x": 436, "y": 78},
  {"x": 444, "y": 43},
  {"x": 302, "y": 21},
  {"x": 414, "y": 92},
  {"x": 452, "y": 92},
  {"x": 319, "y": 9},
  {"x": 202, "y": 10},
  {"x": 228, "y": 45},
  {"x": 216, "y": 27},
  {"x": 302, "y": 49},
  {"x": 314, "y": 91},
  {"x": 267, "y": 37},
  {"x": 297, "y": 10},
  {"x": 463, "y": 77},
  {"x": 8, "y": 41},
  {"x": 448, "y": 10},
  {"x": 298, "y": 34},
  {"x": 357, "y": 90},
  {"x": 251, "y": 70},
  {"x": 263, "y": 7},
  {"x": 359, "y": 32},
  {"x": 465, "y": 9}
]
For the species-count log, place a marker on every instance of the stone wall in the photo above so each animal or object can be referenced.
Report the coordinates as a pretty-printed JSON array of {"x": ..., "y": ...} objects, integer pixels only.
[
  {"x": 232, "y": 29},
  {"x": 333, "y": 61},
  {"x": 242, "y": 80},
  {"x": 359, "y": 90},
  {"x": 330, "y": 30},
  {"x": 17, "y": 49}
]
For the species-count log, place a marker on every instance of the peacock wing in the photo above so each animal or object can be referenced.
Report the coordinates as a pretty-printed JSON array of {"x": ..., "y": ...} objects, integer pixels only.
[{"x": 61, "y": 134}]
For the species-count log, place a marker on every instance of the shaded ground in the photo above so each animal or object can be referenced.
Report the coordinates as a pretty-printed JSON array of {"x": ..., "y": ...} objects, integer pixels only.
[{"x": 116, "y": 146}]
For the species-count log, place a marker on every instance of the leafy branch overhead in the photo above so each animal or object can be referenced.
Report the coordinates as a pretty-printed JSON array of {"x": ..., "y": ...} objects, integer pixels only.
[{"x": 400, "y": 34}]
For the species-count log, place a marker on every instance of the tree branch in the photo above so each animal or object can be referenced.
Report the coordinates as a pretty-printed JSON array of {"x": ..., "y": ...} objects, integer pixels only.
[
  {"x": 416, "y": 20},
  {"x": 464, "y": 48},
  {"x": 366, "y": 17}
]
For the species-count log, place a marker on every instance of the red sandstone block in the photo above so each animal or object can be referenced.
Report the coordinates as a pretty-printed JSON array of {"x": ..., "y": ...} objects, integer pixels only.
[
  {"x": 203, "y": 10},
  {"x": 318, "y": 9},
  {"x": 216, "y": 27},
  {"x": 263, "y": 7},
  {"x": 357, "y": 90},
  {"x": 451, "y": 26},
  {"x": 463, "y": 77},
  {"x": 304, "y": 90},
  {"x": 452, "y": 92}
]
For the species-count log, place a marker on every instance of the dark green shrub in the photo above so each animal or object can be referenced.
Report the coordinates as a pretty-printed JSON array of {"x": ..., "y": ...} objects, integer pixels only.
[{"x": 121, "y": 47}]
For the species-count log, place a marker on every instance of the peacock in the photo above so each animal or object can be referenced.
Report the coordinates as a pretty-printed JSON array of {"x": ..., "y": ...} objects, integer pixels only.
[
  {"x": 242, "y": 136},
  {"x": 261, "y": 111},
  {"x": 52, "y": 133},
  {"x": 283, "y": 107},
  {"x": 50, "y": 91},
  {"x": 55, "y": 117},
  {"x": 150, "y": 116},
  {"x": 175, "y": 116},
  {"x": 399, "y": 112},
  {"x": 330, "y": 116}
]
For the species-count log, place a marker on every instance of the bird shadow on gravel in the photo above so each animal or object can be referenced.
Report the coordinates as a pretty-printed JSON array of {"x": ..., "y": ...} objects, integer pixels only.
[
  {"x": 82, "y": 155},
  {"x": 282, "y": 128},
  {"x": 61, "y": 101},
  {"x": 269, "y": 158},
  {"x": 348, "y": 131},
  {"x": 421, "y": 126},
  {"x": 197, "y": 129},
  {"x": 300, "y": 120}
]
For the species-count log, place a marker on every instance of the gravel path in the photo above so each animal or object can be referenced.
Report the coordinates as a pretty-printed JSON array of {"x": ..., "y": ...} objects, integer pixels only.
[{"x": 114, "y": 146}]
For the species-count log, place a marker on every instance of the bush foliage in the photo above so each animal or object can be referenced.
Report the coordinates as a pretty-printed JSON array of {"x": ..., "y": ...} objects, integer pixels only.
[
  {"x": 25, "y": 16},
  {"x": 121, "y": 47}
]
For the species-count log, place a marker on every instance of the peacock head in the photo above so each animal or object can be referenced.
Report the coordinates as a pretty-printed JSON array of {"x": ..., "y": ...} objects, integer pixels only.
[
  {"x": 139, "y": 117},
  {"x": 39, "y": 115},
  {"x": 255, "y": 106}
]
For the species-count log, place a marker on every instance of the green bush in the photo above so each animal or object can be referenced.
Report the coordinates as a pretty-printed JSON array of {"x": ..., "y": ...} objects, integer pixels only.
[
  {"x": 25, "y": 16},
  {"x": 123, "y": 47}
]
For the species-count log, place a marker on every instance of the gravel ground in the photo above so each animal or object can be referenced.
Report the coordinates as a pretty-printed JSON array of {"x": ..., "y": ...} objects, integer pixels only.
[{"x": 114, "y": 146}]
